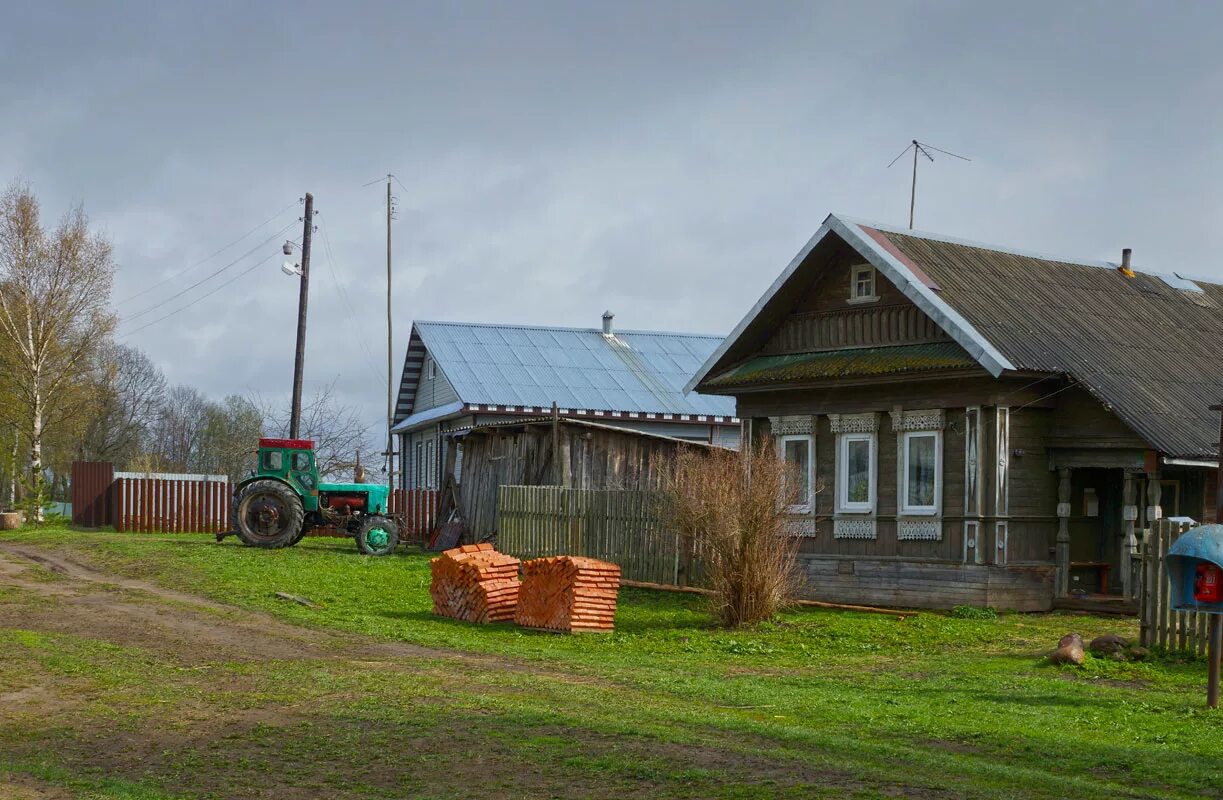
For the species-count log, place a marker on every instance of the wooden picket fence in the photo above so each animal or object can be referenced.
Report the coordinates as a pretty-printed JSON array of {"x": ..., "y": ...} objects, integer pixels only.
[
  {"x": 1161, "y": 626},
  {"x": 623, "y": 527}
]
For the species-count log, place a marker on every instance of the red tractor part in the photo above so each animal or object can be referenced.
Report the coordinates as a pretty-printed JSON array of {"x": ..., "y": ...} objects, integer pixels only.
[
  {"x": 345, "y": 504},
  {"x": 288, "y": 444}
]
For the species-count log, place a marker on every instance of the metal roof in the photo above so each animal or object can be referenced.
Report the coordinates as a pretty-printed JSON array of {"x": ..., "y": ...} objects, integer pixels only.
[
  {"x": 845, "y": 363},
  {"x": 1144, "y": 346},
  {"x": 577, "y": 368}
]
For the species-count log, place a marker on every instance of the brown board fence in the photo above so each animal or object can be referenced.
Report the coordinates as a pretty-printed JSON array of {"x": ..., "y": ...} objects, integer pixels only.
[
  {"x": 91, "y": 493},
  {"x": 178, "y": 503},
  {"x": 1160, "y": 625},
  {"x": 623, "y": 527},
  {"x": 172, "y": 504}
]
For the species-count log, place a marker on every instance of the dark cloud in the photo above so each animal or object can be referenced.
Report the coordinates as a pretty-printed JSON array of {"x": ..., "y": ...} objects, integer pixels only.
[{"x": 662, "y": 159}]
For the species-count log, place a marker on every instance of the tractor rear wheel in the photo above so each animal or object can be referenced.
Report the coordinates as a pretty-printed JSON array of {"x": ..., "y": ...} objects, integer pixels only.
[
  {"x": 268, "y": 514},
  {"x": 377, "y": 536}
]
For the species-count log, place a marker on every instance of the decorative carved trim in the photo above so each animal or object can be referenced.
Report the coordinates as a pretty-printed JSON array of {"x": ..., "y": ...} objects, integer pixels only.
[
  {"x": 855, "y": 423},
  {"x": 930, "y": 530},
  {"x": 792, "y": 425},
  {"x": 927, "y": 419},
  {"x": 1063, "y": 509},
  {"x": 800, "y": 527},
  {"x": 853, "y": 529}
]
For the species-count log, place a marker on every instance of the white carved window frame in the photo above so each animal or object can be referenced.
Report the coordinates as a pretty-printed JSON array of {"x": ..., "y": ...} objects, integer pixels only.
[
  {"x": 862, "y": 284},
  {"x": 809, "y": 438},
  {"x": 922, "y": 523},
  {"x": 935, "y": 508},
  {"x": 844, "y": 505}
]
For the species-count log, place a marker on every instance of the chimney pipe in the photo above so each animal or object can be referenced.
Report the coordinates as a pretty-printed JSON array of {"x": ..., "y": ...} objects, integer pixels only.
[
  {"x": 1126, "y": 270},
  {"x": 607, "y": 323}
]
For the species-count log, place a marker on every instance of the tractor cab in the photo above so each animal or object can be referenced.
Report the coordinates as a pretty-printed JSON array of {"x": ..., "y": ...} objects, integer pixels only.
[{"x": 283, "y": 498}]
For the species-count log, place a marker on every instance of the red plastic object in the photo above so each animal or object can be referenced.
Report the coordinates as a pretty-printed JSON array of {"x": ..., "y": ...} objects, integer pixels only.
[
  {"x": 1208, "y": 584},
  {"x": 288, "y": 444}
]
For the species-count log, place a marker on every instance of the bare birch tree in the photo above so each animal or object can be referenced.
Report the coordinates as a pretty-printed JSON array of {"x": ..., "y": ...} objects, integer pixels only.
[{"x": 54, "y": 312}]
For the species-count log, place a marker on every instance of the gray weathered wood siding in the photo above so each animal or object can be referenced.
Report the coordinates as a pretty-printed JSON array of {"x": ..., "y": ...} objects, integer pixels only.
[
  {"x": 898, "y": 582},
  {"x": 432, "y": 392},
  {"x": 521, "y": 455}
]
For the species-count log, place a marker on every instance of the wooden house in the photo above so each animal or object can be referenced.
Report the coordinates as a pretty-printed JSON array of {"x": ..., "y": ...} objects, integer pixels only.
[
  {"x": 976, "y": 424},
  {"x": 457, "y": 376},
  {"x": 556, "y": 451}
]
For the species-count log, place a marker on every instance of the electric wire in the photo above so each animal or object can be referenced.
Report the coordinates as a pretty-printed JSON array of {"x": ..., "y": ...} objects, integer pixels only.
[
  {"x": 209, "y": 276},
  {"x": 174, "y": 275},
  {"x": 206, "y": 295},
  {"x": 345, "y": 301}
]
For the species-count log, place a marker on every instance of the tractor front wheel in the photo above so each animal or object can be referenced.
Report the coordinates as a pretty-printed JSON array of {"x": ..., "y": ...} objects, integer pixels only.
[
  {"x": 377, "y": 536},
  {"x": 268, "y": 514}
]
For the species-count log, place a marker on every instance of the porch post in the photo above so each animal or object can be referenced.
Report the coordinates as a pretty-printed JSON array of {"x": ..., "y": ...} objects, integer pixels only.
[
  {"x": 1062, "y": 589},
  {"x": 1129, "y": 516},
  {"x": 1155, "y": 513}
]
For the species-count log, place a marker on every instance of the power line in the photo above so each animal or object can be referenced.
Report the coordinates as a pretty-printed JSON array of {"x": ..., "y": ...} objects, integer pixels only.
[
  {"x": 211, "y": 275},
  {"x": 206, "y": 295},
  {"x": 171, "y": 277},
  {"x": 344, "y": 299}
]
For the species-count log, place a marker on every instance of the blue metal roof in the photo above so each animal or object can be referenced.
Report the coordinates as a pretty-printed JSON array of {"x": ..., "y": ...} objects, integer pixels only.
[{"x": 577, "y": 368}]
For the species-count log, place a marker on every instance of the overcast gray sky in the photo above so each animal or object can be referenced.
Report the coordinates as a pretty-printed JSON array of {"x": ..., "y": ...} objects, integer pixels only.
[{"x": 663, "y": 159}]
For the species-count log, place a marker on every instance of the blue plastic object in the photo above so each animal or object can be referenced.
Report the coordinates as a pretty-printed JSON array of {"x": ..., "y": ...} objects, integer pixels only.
[{"x": 1195, "y": 546}]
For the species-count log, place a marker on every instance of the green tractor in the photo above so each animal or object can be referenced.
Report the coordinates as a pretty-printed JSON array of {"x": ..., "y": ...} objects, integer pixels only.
[{"x": 282, "y": 499}]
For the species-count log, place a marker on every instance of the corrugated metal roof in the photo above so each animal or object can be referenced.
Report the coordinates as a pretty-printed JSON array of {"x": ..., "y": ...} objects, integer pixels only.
[
  {"x": 577, "y": 368},
  {"x": 1143, "y": 347},
  {"x": 844, "y": 363}
]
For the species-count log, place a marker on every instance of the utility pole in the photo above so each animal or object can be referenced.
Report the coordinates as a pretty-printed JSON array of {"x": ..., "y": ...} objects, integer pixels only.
[
  {"x": 913, "y": 189},
  {"x": 295, "y": 414},
  {"x": 390, "y": 378}
]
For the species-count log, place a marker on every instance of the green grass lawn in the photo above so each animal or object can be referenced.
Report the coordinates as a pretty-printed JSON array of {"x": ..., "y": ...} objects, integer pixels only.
[{"x": 817, "y": 703}]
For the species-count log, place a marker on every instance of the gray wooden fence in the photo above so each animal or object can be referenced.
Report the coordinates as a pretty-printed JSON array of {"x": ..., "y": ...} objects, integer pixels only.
[
  {"x": 1160, "y": 625},
  {"x": 623, "y": 527}
]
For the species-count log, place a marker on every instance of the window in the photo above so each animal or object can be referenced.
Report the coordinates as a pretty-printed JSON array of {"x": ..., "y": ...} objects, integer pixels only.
[
  {"x": 972, "y": 462},
  {"x": 273, "y": 460},
  {"x": 921, "y": 457},
  {"x": 429, "y": 464},
  {"x": 430, "y": 368},
  {"x": 798, "y": 451},
  {"x": 862, "y": 283},
  {"x": 418, "y": 479},
  {"x": 301, "y": 462},
  {"x": 856, "y": 472}
]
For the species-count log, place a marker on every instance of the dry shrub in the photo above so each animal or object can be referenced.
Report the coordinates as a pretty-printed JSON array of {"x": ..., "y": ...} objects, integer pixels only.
[{"x": 729, "y": 506}]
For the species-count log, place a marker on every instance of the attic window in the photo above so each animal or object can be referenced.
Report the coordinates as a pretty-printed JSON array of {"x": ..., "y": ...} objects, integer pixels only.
[
  {"x": 862, "y": 284},
  {"x": 430, "y": 368}
]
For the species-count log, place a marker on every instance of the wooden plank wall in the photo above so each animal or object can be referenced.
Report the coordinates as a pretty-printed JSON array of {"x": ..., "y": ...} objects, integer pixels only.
[
  {"x": 521, "y": 455},
  {"x": 1160, "y": 626},
  {"x": 623, "y": 527}
]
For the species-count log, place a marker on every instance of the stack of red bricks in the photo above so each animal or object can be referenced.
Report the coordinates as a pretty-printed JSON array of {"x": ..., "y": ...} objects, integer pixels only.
[
  {"x": 568, "y": 593},
  {"x": 475, "y": 583}
]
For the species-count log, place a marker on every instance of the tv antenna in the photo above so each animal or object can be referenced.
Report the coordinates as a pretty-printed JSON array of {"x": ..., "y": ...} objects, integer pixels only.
[{"x": 924, "y": 149}]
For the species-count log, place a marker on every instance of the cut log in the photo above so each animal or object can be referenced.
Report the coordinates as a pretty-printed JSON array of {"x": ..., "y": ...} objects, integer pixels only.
[
  {"x": 568, "y": 593},
  {"x": 475, "y": 583}
]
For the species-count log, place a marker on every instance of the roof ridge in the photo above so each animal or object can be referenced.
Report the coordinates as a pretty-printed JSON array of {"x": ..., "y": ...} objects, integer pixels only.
[
  {"x": 568, "y": 328},
  {"x": 1015, "y": 251}
]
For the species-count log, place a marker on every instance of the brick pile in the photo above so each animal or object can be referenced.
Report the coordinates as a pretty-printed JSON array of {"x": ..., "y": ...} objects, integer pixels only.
[
  {"x": 568, "y": 593},
  {"x": 475, "y": 583}
]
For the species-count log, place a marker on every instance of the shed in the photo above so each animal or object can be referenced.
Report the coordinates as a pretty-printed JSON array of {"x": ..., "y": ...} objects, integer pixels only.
[{"x": 554, "y": 451}]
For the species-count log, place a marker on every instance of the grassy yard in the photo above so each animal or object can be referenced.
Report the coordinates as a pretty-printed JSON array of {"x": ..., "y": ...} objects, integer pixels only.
[{"x": 375, "y": 697}]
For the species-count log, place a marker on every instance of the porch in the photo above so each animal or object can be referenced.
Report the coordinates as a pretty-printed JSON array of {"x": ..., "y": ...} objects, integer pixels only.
[{"x": 1106, "y": 499}]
